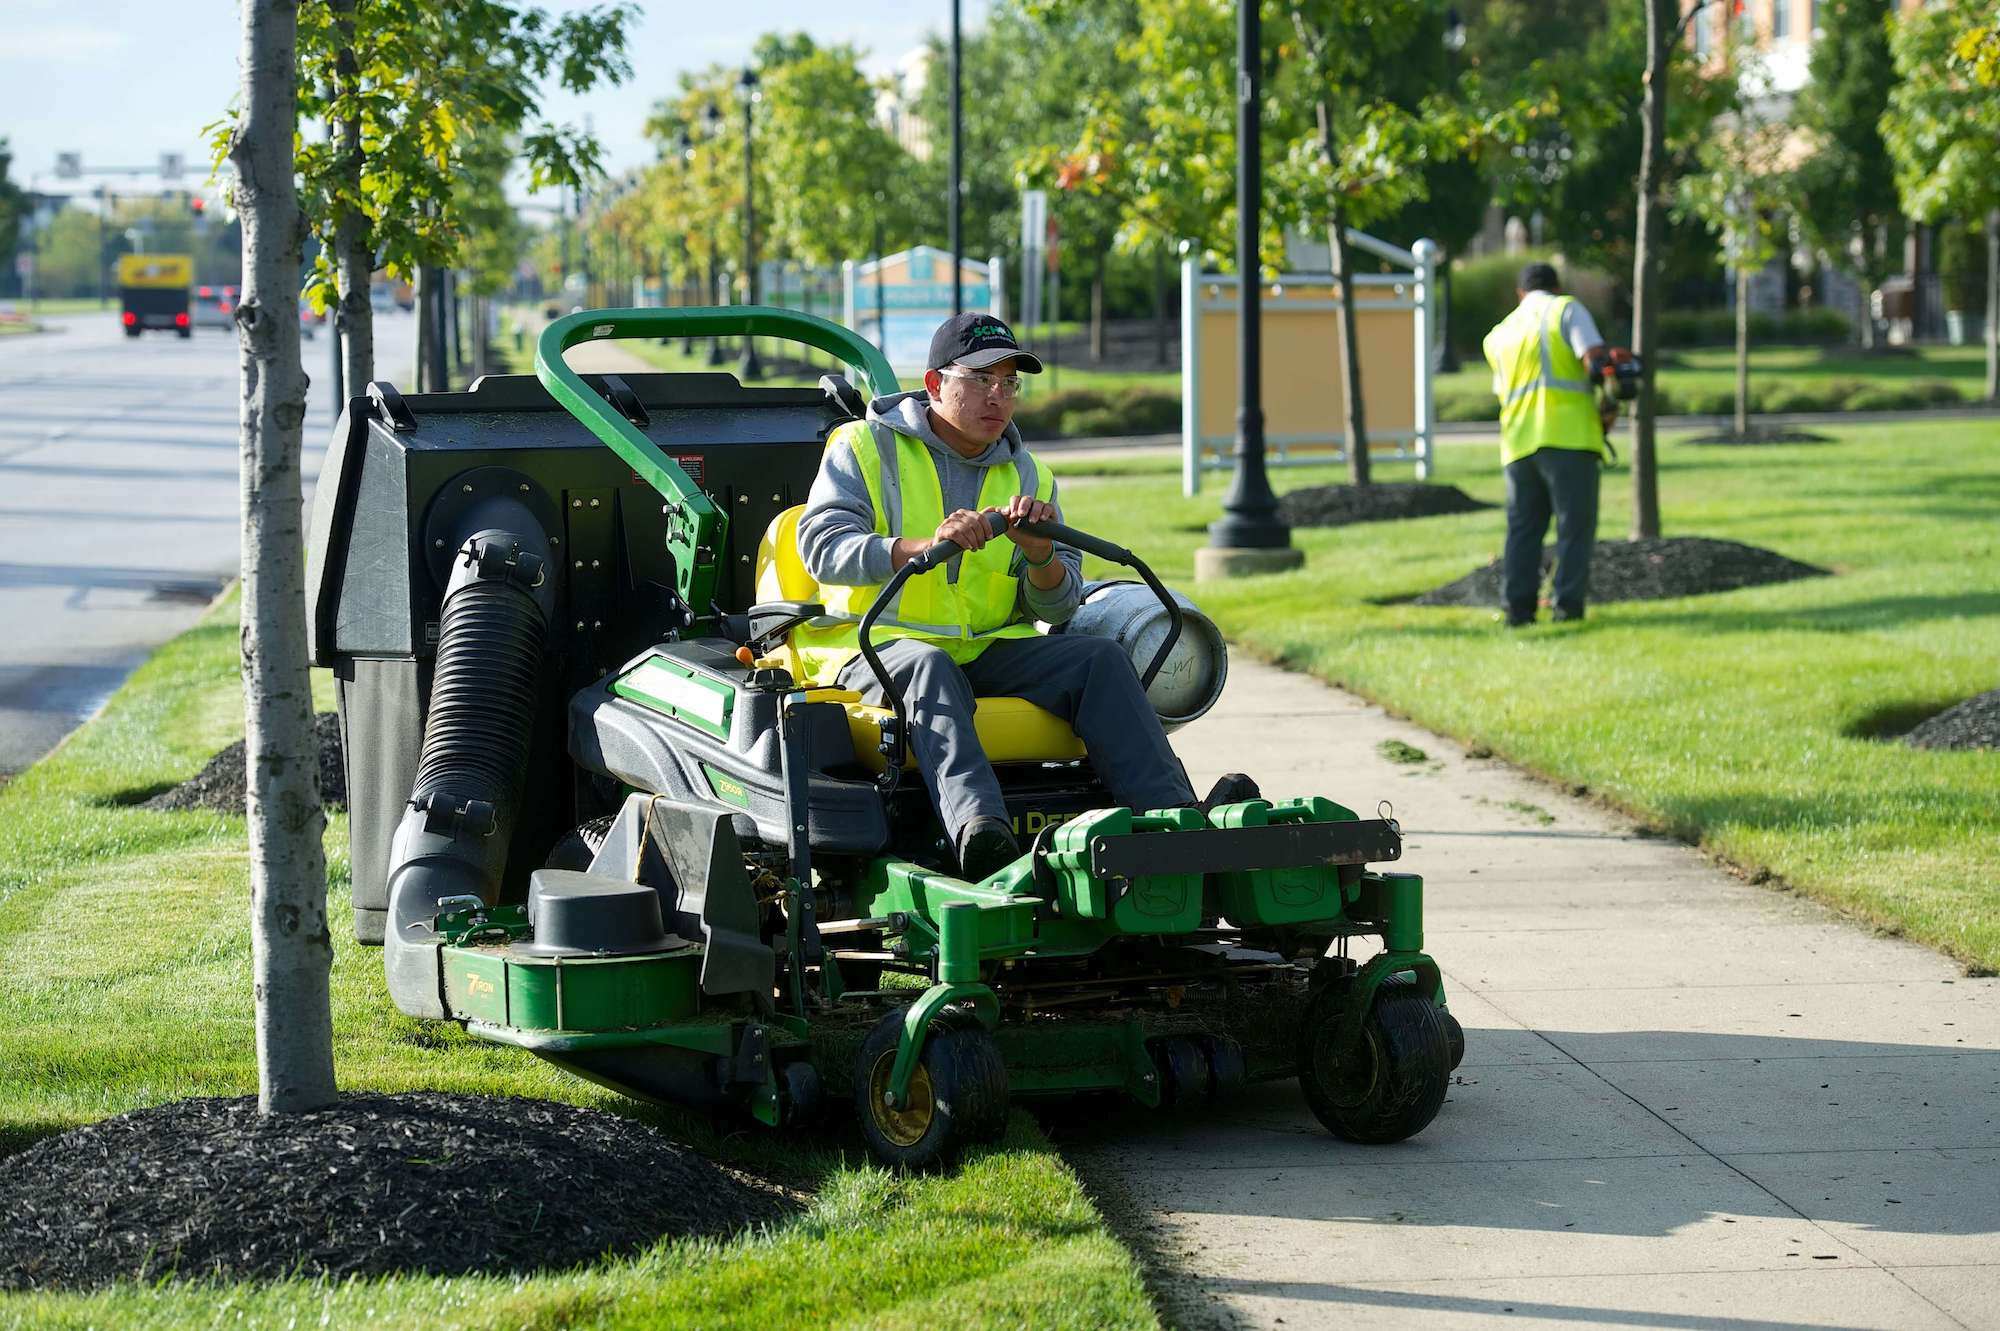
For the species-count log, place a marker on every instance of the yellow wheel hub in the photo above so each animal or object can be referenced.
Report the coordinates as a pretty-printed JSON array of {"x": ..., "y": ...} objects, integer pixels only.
[{"x": 906, "y": 1124}]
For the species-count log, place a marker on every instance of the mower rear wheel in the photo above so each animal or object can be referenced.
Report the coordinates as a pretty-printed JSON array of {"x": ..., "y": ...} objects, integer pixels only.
[
  {"x": 1392, "y": 1083},
  {"x": 957, "y": 1094},
  {"x": 579, "y": 847}
]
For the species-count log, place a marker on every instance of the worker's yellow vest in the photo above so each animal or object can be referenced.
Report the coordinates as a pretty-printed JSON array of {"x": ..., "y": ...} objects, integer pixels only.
[
  {"x": 1544, "y": 389},
  {"x": 959, "y": 617}
]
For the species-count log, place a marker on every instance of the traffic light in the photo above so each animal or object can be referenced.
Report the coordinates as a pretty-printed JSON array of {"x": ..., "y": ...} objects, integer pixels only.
[{"x": 198, "y": 204}]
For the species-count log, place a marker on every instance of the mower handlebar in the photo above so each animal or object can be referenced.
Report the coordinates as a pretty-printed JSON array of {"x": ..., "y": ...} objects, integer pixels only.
[{"x": 941, "y": 550}]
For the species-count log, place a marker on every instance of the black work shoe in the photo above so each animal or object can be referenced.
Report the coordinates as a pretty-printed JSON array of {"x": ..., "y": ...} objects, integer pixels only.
[
  {"x": 1230, "y": 788},
  {"x": 1516, "y": 620},
  {"x": 1566, "y": 614},
  {"x": 987, "y": 847}
]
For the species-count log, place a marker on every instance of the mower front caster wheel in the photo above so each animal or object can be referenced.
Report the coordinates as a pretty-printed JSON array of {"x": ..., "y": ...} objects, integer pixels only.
[
  {"x": 1390, "y": 1084},
  {"x": 957, "y": 1094}
]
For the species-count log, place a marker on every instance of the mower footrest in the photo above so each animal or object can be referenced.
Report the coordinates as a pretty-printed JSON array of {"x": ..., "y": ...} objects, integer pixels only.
[{"x": 1247, "y": 849}]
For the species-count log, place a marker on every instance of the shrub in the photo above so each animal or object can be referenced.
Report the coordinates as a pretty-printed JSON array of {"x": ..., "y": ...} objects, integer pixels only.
[
  {"x": 1717, "y": 328},
  {"x": 1482, "y": 294},
  {"x": 1083, "y": 413},
  {"x": 1883, "y": 397}
]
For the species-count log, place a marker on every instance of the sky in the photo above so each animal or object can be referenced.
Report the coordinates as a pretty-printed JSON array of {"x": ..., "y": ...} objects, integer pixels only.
[{"x": 122, "y": 83}]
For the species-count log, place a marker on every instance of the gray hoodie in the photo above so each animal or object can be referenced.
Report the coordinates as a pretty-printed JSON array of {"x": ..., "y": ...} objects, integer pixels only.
[{"x": 837, "y": 537}]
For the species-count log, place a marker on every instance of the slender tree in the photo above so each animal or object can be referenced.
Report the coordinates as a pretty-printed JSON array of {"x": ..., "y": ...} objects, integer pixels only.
[
  {"x": 1741, "y": 191},
  {"x": 1943, "y": 132},
  {"x": 404, "y": 89},
  {"x": 292, "y": 950},
  {"x": 1661, "y": 32},
  {"x": 1847, "y": 186}
]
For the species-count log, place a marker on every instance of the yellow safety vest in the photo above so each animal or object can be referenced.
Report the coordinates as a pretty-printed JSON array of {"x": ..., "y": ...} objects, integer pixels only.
[
  {"x": 1543, "y": 387},
  {"x": 959, "y": 617}
]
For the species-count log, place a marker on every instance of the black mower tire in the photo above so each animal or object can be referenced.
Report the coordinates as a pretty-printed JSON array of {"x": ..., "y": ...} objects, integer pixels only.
[
  {"x": 1394, "y": 1084},
  {"x": 1454, "y": 1034},
  {"x": 580, "y": 845},
  {"x": 1184, "y": 1072},
  {"x": 958, "y": 1094}
]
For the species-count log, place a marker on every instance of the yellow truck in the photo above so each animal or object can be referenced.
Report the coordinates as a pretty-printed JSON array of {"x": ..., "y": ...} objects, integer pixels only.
[{"x": 153, "y": 292}]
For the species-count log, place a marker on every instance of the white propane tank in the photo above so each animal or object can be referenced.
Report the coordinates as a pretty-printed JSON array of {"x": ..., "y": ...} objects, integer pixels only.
[{"x": 1130, "y": 615}]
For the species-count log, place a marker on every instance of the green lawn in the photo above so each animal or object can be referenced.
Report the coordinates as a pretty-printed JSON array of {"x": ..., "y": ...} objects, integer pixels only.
[
  {"x": 1732, "y": 720},
  {"x": 124, "y": 982},
  {"x": 62, "y": 305}
]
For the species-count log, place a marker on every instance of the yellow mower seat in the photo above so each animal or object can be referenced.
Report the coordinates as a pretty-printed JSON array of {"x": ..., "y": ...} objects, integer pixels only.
[{"x": 1010, "y": 730}]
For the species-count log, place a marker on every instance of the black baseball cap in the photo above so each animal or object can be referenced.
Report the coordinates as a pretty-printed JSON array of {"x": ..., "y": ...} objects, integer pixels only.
[{"x": 977, "y": 341}]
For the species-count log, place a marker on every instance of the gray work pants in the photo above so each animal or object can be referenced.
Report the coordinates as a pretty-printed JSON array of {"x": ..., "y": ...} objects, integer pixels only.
[
  {"x": 1088, "y": 682},
  {"x": 1562, "y": 481}
]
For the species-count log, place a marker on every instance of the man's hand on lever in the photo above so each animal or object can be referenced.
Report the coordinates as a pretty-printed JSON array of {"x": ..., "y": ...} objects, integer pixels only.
[
  {"x": 963, "y": 526},
  {"x": 1044, "y": 570}
]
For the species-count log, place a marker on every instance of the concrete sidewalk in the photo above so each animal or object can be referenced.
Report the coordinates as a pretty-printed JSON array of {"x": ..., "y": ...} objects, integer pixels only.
[{"x": 1686, "y": 1101}]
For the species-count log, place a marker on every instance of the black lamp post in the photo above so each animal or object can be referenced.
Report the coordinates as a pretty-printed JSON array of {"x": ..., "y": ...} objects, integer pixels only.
[
  {"x": 711, "y": 122},
  {"x": 747, "y": 93},
  {"x": 1249, "y": 521},
  {"x": 1447, "y": 359},
  {"x": 957, "y": 170}
]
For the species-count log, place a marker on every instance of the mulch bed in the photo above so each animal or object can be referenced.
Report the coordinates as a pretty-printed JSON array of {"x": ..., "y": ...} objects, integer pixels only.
[
  {"x": 1973, "y": 724},
  {"x": 422, "y": 1182},
  {"x": 1339, "y": 505},
  {"x": 220, "y": 785},
  {"x": 1646, "y": 571},
  {"x": 1759, "y": 434}
]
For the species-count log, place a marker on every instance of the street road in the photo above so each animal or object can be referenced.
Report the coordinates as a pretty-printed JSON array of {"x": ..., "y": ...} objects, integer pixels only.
[{"x": 118, "y": 504}]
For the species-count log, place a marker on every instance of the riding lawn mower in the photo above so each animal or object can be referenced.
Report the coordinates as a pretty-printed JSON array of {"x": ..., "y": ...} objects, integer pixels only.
[{"x": 600, "y": 812}]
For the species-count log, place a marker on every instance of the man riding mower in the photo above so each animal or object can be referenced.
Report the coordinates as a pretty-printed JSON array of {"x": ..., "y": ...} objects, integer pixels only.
[{"x": 626, "y": 778}]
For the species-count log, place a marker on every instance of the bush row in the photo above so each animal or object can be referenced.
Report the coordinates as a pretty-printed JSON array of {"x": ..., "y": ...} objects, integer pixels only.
[
  {"x": 1766, "y": 395},
  {"x": 1717, "y": 328},
  {"x": 1080, "y": 413}
]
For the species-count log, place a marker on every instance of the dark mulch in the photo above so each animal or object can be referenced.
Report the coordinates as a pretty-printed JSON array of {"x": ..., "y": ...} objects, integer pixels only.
[
  {"x": 1339, "y": 505},
  {"x": 1973, "y": 724},
  {"x": 1763, "y": 434},
  {"x": 220, "y": 785},
  {"x": 1646, "y": 571},
  {"x": 444, "y": 1184}
]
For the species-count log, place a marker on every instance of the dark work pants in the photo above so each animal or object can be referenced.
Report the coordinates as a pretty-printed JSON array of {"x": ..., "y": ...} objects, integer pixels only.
[
  {"x": 1088, "y": 682},
  {"x": 1562, "y": 481}
]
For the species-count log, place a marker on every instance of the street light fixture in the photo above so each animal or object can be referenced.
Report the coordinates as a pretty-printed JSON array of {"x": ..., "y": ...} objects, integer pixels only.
[
  {"x": 747, "y": 93},
  {"x": 1250, "y": 536}
]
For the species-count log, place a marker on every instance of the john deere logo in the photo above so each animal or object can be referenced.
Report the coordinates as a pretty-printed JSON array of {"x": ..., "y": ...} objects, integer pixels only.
[
  {"x": 477, "y": 986},
  {"x": 1158, "y": 897}
]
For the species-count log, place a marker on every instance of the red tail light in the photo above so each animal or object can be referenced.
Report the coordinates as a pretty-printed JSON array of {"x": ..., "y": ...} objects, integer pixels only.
[
  {"x": 181, "y": 319},
  {"x": 131, "y": 319},
  {"x": 206, "y": 292}
]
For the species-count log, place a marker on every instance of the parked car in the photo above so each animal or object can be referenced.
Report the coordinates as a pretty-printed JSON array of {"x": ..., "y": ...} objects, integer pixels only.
[{"x": 215, "y": 307}]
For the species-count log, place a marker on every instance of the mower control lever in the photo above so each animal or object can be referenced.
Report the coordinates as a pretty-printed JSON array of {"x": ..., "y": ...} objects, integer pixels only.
[{"x": 942, "y": 550}]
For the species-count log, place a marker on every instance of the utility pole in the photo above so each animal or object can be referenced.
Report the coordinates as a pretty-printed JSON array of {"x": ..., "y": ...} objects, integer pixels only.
[
  {"x": 957, "y": 167},
  {"x": 746, "y": 89}
]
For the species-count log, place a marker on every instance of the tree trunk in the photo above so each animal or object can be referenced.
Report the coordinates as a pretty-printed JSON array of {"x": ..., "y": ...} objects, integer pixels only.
[
  {"x": 1350, "y": 349},
  {"x": 1160, "y": 304},
  {"x": 1742, "y": 351},
  {"x": 291, "y": 949},
  {"x": 1350, "y": 354},
  {"x": 1661, "y": 16},
  {"x": 354, "y": 255},
  {"x": 1097, "y": 312},
  {"x": 1993, "y": 306}
]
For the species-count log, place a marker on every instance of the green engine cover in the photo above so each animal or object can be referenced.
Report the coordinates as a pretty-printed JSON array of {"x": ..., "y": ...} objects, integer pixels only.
[
  {"x": 1166, "y": 903},
  {"x": 496, "y": 984},
  {"x": 1295, "y": 894}
]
